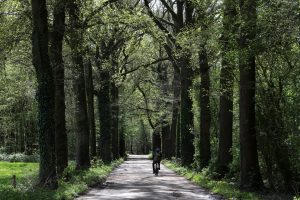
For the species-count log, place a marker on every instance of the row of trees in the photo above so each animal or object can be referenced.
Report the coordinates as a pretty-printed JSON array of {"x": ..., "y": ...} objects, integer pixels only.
[
  {"x": 49, "y": 65},
  {"x": 242, "y": 45},
  {"x": 188, "y": 15},
  {"x": 214, "y": 83}
]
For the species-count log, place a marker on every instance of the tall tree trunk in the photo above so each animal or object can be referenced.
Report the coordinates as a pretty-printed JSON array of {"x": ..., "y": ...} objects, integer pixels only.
[
  {"x": 22, "y": 142},
  {"x": 186, "y": 115},
  {"x": 81, "y": 117},
  {"x": 228, "y": 42},
  {"x": 178, "y": 137},
  {"x": 57, "y": 36},
  {"x": 156, "y": 138},
  {"x": 250, "y": 173},
  {"x": 122, "y": 143},
  {"x": 175, "y": 109},
  {"x": 104, "y": 105},
  {"x": 166, "y": 141},
  {"x": 45, "y": 94},
  {"x": 115, "y": 120},
  {"x": 90, "y": 104},
  {"x": 186, "y": 75},
  {"x": 205, "y": 116}
]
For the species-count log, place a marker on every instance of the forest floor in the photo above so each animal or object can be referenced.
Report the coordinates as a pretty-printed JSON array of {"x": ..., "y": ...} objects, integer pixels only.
[{"x": 134, "y": 180}]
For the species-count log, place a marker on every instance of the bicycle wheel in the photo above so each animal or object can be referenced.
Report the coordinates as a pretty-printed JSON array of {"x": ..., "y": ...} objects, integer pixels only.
[{"x": 156, "y": 169}]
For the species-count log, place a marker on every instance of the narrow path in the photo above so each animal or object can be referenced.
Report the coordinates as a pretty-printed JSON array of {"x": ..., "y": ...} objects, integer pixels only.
[{"x": 134, "y": 180}]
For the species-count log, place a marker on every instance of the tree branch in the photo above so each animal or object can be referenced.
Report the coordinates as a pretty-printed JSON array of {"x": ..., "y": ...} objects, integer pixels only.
[
  {"x": 170, "y": 9},
  {"x": 158, "y": 23},
  {"x": 145, "y": 65},
  {"x": 166, "y": 22},
  {"x": 92, "y": 14}
]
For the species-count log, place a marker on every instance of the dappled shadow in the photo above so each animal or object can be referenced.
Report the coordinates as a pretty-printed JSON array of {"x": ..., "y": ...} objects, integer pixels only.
[{"x": 134, "y": 180}]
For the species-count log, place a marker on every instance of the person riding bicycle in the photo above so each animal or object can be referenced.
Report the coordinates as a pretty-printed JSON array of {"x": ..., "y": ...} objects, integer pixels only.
[{"x": 156, "y": 158}]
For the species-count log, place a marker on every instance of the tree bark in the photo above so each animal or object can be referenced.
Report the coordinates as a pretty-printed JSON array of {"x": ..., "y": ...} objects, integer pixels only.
[
  {"x": 178, "y": 136},
  {"x": 205, "y": 116},
  {"x": 81, "y": 117},
  {"x": 166, "y": 141},
  {"x": 175, "y": 110},
  {"x": 115, "y": 120},
  {"x": 186, "y": 115},
  {"x": 186, "y": 76},
  {"x": 228, "y": 42},
  {"x": 104, "y": 106},
  {"x": 122, "y": 143},
  {"x": 250, "y": 173},
  {"x": 156, "y": 138},
  {"x": 91, "y": 107},
  {"x": 57, "y": 36},
  {"x": 45, "y": 94}
]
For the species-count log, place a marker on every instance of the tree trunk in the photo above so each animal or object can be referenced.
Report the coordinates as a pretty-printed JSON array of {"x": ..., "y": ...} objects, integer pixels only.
[
  {"x": 228, "y": 42},
  {"x": 45, "y": 94},
  {"x": 104, "y": 106},
  {"x": 90, "y": 103},
  {"x": 122, "y": 143},
  {"x": 175, "y": 109},
  {"x": 156, "y": 138},
  {"x": 57, "y": 36},
  {"x": 205, "y": 116},
  {"x": 22, "y": 142},
  {"x": 186, "y": 115},
  {"x": 250, "y": 173},
  {"x": 115, "y": 120},
  {"x": 81, "y": 117},
  {"x": 178, "y": 136},
  {"x": 166, "y": 141}
]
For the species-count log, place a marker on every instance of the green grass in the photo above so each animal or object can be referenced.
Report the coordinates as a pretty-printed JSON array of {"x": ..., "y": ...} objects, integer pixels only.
[
  {"x": 223, "y": 188},
  {"x": 74, "y": 182},
  {"x": 21, "y": 170}
]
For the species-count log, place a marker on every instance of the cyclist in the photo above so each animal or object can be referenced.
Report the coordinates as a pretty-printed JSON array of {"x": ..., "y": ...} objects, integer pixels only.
[{"x": 156, "y": 158}]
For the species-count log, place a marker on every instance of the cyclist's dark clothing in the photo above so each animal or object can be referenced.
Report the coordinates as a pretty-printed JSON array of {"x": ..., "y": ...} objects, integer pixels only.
[{"x": 156, "y": 159}]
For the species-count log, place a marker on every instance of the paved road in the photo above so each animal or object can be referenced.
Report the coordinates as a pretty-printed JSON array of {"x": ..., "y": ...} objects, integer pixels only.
[{"x": 134, "y": 180}]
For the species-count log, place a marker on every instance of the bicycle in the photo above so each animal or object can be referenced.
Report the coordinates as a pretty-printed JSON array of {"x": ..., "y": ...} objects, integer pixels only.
[{"x": 156, "y": 168}]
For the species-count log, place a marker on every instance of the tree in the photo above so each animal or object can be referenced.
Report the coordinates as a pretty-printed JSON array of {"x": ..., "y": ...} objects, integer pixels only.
[
  {"x": 250, "y": 173},
  {"x": 115, "y": 120},
  {"x": 57, "y": 35},
  {"x": 228, "y": 42},
  {"x": 104, "y": 105},
  {"x": 175, "y": 137},
  {"x": 90, "y": 106},
  {"x": 45, "y": 94},
  {"x": 182, "y": 63},
  {"x": 205, "y": 116},
  {"x": 81, "y": 117}
]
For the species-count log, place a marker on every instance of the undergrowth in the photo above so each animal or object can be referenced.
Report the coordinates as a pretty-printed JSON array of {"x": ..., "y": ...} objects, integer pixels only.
[
  {"x": 223, "y": 188},
  {"x": 72, "y": 183}
]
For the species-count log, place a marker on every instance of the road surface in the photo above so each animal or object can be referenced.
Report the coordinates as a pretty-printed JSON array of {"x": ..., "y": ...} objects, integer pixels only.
[{"x": 134, "y": 180}]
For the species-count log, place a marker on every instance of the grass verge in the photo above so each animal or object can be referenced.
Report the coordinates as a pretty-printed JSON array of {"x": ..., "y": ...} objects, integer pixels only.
[
  {"x": 71, "y": 185},
  {"x": 223, "y": 188}
]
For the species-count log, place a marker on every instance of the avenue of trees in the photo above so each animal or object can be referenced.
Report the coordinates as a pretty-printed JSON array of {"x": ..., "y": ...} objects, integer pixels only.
[{"x": 214, "y": 83}]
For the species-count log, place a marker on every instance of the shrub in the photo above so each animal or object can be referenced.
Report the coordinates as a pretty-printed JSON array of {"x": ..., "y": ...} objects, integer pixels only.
[{"x": 19, "y": 157}]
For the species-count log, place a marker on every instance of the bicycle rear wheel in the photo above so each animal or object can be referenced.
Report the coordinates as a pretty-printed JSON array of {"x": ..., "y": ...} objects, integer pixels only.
[{"x": 156, "y": 169}]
